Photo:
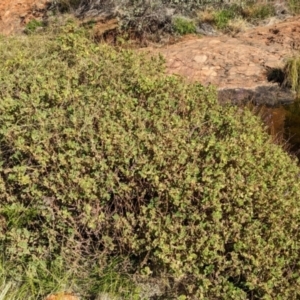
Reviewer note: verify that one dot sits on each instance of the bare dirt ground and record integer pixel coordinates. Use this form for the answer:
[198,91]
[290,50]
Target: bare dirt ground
[15,14]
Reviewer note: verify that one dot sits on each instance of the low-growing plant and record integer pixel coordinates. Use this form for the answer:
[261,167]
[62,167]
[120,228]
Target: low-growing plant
[223,16]
[206,15]
[237,25]
[33,25]
[102,155]
[36,279]
[183,26]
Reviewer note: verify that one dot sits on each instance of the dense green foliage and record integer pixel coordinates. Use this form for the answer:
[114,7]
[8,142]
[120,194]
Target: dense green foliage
[103,155]
[184,26]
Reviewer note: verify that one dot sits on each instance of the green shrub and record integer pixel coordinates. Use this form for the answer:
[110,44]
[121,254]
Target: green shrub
[222,17]
[33,25]
[103,155]
[183,26]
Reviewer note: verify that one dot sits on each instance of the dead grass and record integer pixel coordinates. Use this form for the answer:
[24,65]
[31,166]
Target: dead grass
[237,25]
[207,15]
[292,73]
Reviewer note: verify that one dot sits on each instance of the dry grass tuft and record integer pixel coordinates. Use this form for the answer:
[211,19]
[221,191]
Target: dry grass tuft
[207,15]
[292,73]
[237,25]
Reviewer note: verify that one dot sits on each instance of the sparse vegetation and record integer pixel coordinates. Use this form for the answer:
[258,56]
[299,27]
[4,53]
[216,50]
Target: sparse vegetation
[237,25]
[260,11]
[224,17]
[294,6]
[153,20]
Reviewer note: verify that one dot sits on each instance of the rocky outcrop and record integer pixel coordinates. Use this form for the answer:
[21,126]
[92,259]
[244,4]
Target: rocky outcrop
[269,94]
[238,66]
[15,14]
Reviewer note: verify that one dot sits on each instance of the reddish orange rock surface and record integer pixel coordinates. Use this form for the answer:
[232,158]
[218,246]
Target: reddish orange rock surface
[62,296]
[15,14]
[233,62]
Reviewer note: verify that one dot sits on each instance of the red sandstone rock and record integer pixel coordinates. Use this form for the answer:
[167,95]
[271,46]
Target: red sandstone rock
[15,14]
[237,63]
[62,296]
